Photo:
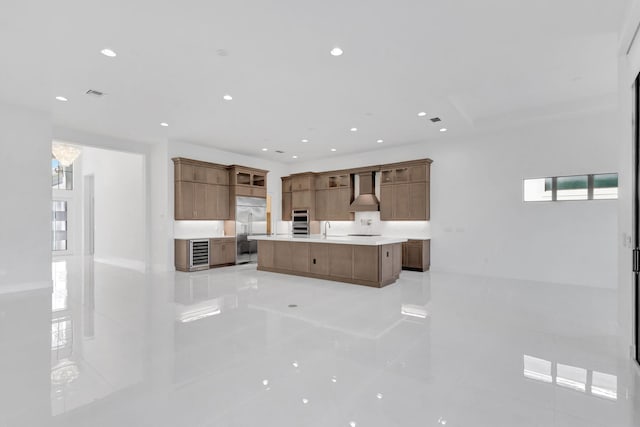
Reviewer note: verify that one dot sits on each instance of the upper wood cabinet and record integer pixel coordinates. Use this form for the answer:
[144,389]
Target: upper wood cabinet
[404,191]
[303,193]
[249,182]
[286,198]
[203,191]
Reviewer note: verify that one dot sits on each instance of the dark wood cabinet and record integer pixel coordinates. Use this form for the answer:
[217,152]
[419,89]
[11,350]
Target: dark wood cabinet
[341,261]
[266,254]
[201,190]
[222,251]
[416,255]
[286,199]
[300,257]
[365,262]
[322,200]
[369,265]
[303,193]
[319,258]
[404,192]
[282,255]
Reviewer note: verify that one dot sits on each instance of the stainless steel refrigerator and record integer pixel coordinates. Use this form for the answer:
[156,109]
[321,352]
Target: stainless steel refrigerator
[251,219]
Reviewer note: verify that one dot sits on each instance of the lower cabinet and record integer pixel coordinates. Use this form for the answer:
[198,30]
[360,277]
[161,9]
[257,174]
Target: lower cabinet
[416,255]
[319,258]
[300,257]
[222,251]
[266,253]
[361,264]
[365,262]
[341,261]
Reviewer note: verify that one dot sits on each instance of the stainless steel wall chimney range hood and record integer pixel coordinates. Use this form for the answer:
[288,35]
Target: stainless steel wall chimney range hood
[366,200]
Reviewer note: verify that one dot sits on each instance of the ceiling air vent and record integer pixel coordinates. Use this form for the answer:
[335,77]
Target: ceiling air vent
[279,151]
[95,93]
[435,119]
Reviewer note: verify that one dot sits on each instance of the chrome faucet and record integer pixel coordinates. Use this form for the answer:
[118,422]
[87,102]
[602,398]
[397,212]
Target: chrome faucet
[327,223]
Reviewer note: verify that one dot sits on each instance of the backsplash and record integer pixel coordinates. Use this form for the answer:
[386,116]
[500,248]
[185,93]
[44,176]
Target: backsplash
[369,223]
[197,229]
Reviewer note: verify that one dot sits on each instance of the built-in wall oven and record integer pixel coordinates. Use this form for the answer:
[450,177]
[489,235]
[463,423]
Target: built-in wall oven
[300,225]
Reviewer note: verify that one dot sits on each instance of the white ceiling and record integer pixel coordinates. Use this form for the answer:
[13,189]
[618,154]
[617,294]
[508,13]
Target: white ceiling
[476,64]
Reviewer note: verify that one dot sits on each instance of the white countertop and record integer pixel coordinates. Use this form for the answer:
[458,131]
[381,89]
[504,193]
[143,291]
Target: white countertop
[341,240]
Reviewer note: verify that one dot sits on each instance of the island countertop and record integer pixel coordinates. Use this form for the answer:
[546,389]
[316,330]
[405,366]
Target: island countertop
[340,240]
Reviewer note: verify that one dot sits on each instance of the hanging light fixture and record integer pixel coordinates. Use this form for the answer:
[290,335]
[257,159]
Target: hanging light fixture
[65,154]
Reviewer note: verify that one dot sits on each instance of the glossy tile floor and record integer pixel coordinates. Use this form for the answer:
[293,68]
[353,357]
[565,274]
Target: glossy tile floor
[224,347]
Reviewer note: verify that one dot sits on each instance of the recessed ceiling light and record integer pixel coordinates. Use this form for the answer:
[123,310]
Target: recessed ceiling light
[443,129]
[305,140]
[108,52]
[294,157]
[227,97]
[380,141]
[61,98]
[422,114]
[336,51]
[265,149]
[353,129]
[305,400]
[333,149]
[163,124]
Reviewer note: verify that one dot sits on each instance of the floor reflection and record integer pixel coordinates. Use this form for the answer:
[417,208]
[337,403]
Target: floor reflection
[583,380]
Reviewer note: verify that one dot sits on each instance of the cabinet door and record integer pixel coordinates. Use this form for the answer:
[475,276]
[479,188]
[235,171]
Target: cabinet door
[286,185]
[401,201]
[344,202]
[266,252]
[414,255]
[215,253]
[299,183]
[341,261]
[397,259]
[418,173]
[405,259]
[286,206]
[301,199]
[200,173]
[386,262]
[418,201]
[229,252]
[365,263]
[333,204]
[319,258]
[282,255]
[386,202]
[184,200]
[211,202]
[300,256]
[321,205]
[222,202]
[186,172]
[200,201]
[217,176]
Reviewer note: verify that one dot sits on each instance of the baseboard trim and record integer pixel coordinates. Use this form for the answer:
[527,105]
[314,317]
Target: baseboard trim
[15,288]
[129,264]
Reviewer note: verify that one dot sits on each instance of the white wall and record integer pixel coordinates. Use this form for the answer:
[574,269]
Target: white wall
[25,213]
[120,206]
[628,69]
[479,224]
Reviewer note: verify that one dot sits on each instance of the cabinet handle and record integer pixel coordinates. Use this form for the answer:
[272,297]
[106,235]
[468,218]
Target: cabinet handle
[314,260]
[387,254]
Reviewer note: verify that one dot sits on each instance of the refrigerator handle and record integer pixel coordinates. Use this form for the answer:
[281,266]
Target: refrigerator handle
[250,223]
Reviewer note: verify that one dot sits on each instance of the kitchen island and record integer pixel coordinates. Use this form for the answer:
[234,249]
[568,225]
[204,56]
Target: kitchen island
[371,261]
